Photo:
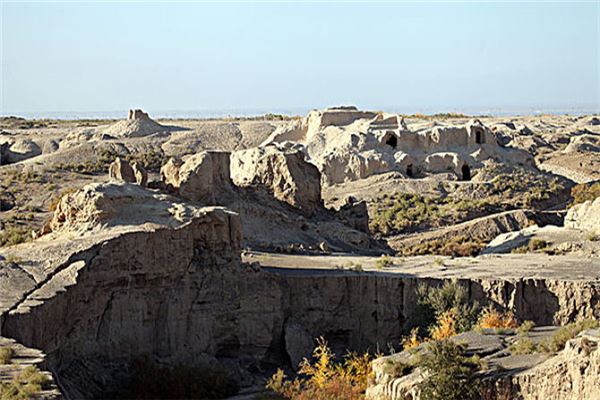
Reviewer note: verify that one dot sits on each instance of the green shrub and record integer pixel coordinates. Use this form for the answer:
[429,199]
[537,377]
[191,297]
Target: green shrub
[458,246]
[449,375]
[565,333]
[25,385]
[584,192]
[523,345]
[534,245]
[14,234]
[525,327]
[537,244]
[6,355]
[405,212]
[384,261]
[434,302]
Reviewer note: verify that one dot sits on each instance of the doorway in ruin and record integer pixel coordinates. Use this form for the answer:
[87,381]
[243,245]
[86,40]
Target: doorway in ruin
[409,170]
[466,173]
[478,137]
[391,140]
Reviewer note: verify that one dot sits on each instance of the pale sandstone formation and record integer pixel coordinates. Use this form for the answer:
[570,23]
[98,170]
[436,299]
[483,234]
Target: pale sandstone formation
[15,150]
[585,216]
[274,219]
[205,178]
[572,374]
[169,173]
[347,144]
[50,146]
[121,170]
[284,173]
[584,143]
[99,207]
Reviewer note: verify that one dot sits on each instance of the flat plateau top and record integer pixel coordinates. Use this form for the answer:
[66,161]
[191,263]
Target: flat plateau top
[504,266]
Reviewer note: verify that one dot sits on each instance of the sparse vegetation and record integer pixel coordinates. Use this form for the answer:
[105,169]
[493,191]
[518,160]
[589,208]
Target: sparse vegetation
[584,192]
[323,378]
[25,385]
[523,345]
[383,262]
[404,212]
[14,234]
[443,311]
[412,340]
[491,318]
[6,355]
[525,327]
[565,333]
[458,246]
[91,167]
[449,375]
[151,160]
[397,213]
[534,245]
[445,326]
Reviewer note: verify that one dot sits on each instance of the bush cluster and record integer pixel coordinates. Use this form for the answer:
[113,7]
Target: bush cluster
[25,385]
[322,378]
[405,212]
[450,375]
[584,192]
[14,234]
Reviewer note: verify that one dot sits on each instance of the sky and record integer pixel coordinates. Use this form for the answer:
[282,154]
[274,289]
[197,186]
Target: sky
[397,56]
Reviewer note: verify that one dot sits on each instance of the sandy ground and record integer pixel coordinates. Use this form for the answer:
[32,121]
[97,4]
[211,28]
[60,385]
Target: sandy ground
[505,266]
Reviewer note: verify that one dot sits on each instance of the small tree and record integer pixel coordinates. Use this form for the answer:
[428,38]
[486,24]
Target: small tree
[449,375]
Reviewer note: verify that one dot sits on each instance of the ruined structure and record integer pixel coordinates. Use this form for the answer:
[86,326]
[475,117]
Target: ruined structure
[137,114]
[137,124]
[348,144]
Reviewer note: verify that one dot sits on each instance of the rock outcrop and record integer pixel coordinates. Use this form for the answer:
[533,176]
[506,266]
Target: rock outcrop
[141,175]
[584,143]
[205,178]
[585,216]
[284,173]
[121,170]
[13,151]
[572,374]
[169,173]
[479,230]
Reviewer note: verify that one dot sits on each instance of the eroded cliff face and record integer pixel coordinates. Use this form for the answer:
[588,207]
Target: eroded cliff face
[180,295]
[167,281]
[369,310]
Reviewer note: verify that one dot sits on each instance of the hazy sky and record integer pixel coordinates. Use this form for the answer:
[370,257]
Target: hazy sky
[104,56]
